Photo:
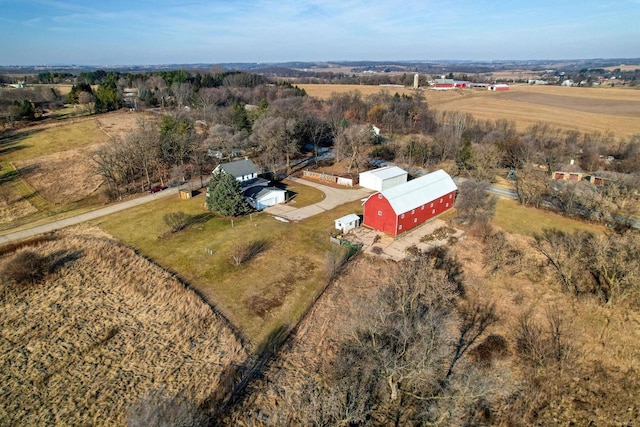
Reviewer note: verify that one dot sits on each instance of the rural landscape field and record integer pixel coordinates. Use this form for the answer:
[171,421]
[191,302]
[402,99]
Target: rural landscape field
[175,299]
[603,109]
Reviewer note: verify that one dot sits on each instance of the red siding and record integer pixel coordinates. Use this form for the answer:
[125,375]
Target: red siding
[378,214]
[394,223]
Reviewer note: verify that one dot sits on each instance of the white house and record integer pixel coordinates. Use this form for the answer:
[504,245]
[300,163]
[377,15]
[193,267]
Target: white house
[244,171]
[263,197]
[347,222]
[383,178]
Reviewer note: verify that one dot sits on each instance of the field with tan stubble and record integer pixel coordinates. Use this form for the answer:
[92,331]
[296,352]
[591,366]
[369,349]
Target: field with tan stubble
[599,109]
[102,329]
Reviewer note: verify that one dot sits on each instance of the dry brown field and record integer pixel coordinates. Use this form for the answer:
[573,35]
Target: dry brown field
[602,109]
[101,330]
[54,161]
[600,386]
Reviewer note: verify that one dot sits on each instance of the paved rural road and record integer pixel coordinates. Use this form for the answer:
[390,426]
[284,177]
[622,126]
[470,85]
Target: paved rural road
[88,216]
[333,197]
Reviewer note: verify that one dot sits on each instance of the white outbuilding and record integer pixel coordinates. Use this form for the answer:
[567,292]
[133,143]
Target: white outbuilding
[263,197]
[347,222]
[383,178]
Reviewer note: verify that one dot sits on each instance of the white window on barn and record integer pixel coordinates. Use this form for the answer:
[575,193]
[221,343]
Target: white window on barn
[413,211]
[422,208]
[433,212]
[399,227]
[415,220]
[447,205]
[379,213]
[440,199]
[402,216]
[379,196]
[431,205]
[451,196]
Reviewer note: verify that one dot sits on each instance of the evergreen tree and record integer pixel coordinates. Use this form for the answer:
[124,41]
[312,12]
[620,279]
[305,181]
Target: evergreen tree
[224,196]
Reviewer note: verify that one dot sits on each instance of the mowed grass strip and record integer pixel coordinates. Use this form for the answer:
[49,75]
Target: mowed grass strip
[526,221]
[261,296]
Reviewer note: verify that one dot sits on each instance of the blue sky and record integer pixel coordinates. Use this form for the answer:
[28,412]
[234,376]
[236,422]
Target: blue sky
[89,32]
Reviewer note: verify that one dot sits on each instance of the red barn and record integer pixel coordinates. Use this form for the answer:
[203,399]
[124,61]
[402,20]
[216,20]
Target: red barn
[405,206]
[444,84]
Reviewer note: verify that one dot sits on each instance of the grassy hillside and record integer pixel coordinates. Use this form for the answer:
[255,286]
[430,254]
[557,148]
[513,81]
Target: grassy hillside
[103,328]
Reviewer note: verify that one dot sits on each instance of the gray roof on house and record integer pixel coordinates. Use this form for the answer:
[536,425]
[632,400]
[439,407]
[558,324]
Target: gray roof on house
[257,192]
[238,168]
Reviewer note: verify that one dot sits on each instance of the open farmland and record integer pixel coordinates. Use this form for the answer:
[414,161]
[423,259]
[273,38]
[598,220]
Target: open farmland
[601,109]
[102,329]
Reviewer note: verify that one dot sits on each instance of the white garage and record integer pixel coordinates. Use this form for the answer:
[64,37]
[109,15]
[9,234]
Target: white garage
[383,178]
[263,197]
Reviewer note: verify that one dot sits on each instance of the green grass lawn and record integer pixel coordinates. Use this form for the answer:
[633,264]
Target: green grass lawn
[527,221]
[303,195]
[261,296]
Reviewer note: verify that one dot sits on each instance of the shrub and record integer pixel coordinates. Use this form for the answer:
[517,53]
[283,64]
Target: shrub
[26,267]
[246,251]
[177,220]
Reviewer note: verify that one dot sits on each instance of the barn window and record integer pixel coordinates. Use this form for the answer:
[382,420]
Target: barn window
[422,207]
[413,211]
[399,227]
[440,199]
[431,205]
[415,220]
[447,205]
[451,196]
[379,196]
[433,212]
[402,216]
[379,213]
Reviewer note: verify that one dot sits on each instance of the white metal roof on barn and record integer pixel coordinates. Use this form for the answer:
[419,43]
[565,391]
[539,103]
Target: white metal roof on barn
[419,191]
[386,172]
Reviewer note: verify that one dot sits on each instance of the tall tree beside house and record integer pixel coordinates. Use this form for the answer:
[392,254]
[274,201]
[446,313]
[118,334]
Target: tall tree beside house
[224,196]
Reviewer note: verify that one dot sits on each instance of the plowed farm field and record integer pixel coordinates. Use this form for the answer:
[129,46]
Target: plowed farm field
[600,109]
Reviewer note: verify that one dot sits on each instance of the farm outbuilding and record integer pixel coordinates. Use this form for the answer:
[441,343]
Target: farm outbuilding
[498,87]
[347,223]
[406,206]
[263,197]
[383,178]
[443,84]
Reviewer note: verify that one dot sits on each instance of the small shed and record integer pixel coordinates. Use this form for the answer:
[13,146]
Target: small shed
[347,222]
[185,194]
[383,178]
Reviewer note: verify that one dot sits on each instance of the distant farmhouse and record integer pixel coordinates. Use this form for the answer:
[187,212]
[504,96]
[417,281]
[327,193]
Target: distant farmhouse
[406,206]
